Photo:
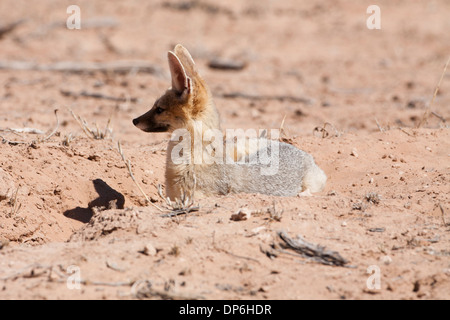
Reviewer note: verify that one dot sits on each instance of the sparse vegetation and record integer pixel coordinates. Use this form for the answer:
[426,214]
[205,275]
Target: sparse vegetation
[93,133]
[15,204]
[174,251]
[68,138]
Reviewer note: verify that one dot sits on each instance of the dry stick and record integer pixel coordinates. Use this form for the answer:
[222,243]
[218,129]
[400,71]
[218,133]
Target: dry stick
[95,95]
[178,207]
[98,283]
[28,272]
[235,255]
[427,111]
[122,67]
[406,132]
[143,289]
[37,270]
[30,131]
[226,64]
[22,130]
[281,98]
[324,131]
[107,284]
[309,250]
[12,143]
[378,125]
[282,132]
[82,124]
[91,134]
[16,206]
[438,116]
[128,164]
[443,214]
[10,27]
[56,128]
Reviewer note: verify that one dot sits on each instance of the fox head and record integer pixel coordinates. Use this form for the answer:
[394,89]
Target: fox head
[188,99]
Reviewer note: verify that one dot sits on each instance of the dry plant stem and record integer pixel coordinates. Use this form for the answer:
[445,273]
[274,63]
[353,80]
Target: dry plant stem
[378,125]
[443,215]
[178,207]
[324,131]
[5,29]
[56,128]
[29,131]
[313,251]
[121,67]
[281,98]
[96,96]
[142,289]
[31,271]
[406,132]
[235,255]
[15,204]
[427,111]
[95,134]
[282,130]
[128,164]
[438,116]
[17,131]
[12,143]
[81,124]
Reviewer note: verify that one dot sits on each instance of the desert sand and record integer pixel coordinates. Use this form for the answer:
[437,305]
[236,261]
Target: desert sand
[358,99]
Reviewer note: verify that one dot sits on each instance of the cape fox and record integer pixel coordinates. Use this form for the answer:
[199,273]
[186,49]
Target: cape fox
[188,107]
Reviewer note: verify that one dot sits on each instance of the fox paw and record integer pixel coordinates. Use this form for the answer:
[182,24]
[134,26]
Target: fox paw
[305,193]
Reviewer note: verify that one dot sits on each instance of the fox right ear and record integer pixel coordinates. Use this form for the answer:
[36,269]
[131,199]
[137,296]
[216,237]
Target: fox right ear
[180,81]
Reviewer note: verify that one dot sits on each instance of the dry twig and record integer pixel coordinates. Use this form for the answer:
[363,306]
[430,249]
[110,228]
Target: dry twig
[16,205]
[312,251]
[10,142]
[23,130]
[324,131]
[120,67]
[5,29]
[94,95]
[56,127]
[178,207]
[443,215]
[428,110]
[281,98]
[143,289]
[92,133]
[128,165]
[226,64]
[378,125]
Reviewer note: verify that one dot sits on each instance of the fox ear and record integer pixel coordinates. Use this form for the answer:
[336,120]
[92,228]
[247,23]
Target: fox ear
[186,59]
[180,81]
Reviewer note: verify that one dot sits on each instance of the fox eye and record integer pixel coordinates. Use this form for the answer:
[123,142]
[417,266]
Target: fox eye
[159,110]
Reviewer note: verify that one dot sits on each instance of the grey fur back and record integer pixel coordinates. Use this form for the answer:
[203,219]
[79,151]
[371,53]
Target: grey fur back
[293,165]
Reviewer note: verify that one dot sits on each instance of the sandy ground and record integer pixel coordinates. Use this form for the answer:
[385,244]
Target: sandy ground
[386,206]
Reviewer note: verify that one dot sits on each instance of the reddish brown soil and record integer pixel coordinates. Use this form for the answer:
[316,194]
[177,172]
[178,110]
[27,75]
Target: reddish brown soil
[372,87]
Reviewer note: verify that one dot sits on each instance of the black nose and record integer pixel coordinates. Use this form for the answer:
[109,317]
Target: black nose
[135,121]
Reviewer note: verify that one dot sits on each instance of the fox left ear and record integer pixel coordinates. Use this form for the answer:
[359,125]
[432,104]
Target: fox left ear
[180,81]
[186,60]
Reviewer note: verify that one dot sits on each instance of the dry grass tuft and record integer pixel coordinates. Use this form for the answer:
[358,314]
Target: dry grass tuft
[428,112]
[15,204]
[91,133]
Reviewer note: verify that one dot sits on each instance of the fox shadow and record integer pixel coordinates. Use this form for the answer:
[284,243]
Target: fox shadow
[106,195]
